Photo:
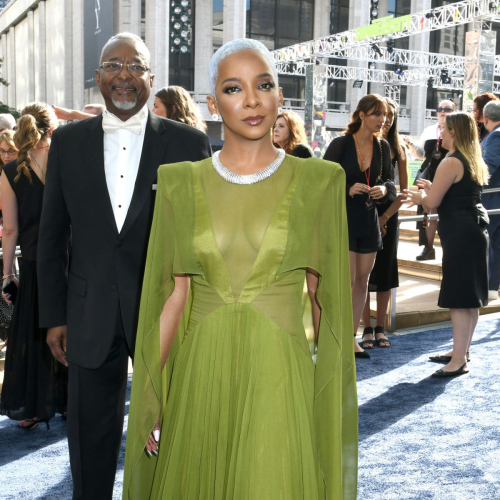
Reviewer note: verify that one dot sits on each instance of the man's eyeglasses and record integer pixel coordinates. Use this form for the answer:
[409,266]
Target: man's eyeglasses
[446,110]
[10,152]
[116,67]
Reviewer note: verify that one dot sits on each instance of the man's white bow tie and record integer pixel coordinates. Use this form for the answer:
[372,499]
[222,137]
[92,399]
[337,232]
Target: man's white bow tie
[111,124]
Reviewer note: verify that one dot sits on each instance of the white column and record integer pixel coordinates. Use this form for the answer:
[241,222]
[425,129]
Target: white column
[321,18]
[234,19]
[417,96]
[127,16]
[41,60]
[30,70]
[158,42]
[11,64]
[203,43]
[359,15]
[77,54]
[4,70]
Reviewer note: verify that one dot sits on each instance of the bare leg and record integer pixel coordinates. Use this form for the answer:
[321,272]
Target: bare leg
[475,316]
[462,323]
[361,267]
[366,312]
[382,303]
[431,232]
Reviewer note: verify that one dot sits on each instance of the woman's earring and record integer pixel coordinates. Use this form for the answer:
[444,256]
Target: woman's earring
[280,110]
[215,117]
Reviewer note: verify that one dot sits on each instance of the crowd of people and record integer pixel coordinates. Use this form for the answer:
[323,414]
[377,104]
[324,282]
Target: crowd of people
[194,265]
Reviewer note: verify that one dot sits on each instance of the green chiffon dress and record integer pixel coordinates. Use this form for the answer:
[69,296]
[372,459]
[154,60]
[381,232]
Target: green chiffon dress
[245,413]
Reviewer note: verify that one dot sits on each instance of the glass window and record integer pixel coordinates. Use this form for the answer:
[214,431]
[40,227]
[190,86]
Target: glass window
[181,66]
[339,16]
[280,23]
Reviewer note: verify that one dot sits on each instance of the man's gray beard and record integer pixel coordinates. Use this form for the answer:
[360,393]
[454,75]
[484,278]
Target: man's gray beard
[124,105]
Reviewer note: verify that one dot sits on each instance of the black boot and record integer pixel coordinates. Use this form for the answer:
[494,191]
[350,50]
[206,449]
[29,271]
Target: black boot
[427,254]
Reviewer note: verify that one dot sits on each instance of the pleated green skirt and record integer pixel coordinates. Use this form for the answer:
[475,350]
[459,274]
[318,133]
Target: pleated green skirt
[239,416]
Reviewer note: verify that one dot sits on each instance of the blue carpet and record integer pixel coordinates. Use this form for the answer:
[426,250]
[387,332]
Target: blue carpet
[420,438]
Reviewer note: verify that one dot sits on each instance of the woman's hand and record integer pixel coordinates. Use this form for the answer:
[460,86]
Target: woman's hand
[154,439]
[377,192]
[358,188]
[383,227]
[6,296]
[414,197]
[424,184]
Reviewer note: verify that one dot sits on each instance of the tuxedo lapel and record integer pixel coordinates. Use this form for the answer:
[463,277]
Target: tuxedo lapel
[94,161]
[153,154]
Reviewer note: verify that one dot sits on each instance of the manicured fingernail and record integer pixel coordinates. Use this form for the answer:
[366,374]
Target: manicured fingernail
[155,452]
[148,452]
[156,434]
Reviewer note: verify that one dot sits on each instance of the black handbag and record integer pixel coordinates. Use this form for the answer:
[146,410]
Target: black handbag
[392,192]
[483,218]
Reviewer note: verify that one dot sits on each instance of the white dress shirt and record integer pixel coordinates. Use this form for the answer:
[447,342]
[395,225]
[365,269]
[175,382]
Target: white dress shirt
[430,132]
[122,154]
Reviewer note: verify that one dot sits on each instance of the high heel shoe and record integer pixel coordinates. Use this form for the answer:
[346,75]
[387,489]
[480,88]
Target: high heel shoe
[32,423]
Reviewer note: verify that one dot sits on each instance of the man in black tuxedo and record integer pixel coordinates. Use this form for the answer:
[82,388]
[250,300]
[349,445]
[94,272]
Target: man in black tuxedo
[100,189]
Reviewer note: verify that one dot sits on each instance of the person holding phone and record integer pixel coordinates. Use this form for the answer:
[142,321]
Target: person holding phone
[35,384]
[430,148]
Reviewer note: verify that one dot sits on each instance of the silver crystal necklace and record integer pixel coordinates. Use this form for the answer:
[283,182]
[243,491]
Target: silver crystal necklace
[233,178]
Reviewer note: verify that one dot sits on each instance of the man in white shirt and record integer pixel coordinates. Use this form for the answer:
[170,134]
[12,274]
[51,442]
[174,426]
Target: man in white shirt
[100,186]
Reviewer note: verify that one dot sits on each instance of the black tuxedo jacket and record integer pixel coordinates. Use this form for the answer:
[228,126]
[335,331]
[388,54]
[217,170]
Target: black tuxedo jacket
[100,284]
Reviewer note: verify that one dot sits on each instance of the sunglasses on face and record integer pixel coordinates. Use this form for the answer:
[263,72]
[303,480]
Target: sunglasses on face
[446,110]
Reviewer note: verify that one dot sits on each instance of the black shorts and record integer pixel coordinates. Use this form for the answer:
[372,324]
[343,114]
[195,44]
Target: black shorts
[365,245]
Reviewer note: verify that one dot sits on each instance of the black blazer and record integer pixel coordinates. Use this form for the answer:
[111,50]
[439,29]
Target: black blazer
[103,281]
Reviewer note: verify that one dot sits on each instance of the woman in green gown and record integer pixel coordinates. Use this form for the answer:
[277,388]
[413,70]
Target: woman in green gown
[226,402]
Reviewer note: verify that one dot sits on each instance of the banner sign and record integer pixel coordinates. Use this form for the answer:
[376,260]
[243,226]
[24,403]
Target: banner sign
[413,167]
[97,30]
[383,27]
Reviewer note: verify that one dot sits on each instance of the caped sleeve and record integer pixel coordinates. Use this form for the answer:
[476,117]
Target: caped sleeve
[167,256]
[319,241]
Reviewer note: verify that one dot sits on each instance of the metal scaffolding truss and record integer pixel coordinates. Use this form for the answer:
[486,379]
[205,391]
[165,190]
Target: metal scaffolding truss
[400,56]
[446,16]
[411,77]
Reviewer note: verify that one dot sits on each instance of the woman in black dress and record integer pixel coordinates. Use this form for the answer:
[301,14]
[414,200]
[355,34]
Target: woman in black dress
[366,160]
[8,152]
[456,193]
[34,387]
[289,134]
[384,276]
[431,149]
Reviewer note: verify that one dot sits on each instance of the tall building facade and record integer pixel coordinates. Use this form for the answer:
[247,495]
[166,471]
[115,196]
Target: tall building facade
[42,46]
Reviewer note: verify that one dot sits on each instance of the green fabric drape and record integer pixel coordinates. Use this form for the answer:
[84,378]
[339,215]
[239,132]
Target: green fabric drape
[245,414]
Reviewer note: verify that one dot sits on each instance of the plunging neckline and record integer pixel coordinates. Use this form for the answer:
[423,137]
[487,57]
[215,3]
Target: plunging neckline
[254,282]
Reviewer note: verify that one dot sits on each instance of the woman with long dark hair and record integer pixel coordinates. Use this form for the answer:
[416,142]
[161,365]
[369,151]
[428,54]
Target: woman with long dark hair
[384,276]
[366,159]
[35,384]
[456,194]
